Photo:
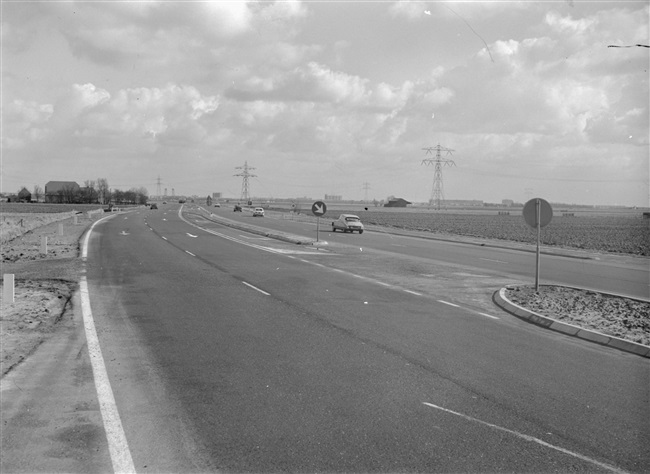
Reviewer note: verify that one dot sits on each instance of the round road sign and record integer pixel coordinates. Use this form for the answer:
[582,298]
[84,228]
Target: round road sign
[530,212]
[319,208]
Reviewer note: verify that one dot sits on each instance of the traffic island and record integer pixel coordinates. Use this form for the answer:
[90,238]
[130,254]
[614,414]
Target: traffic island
[584,306]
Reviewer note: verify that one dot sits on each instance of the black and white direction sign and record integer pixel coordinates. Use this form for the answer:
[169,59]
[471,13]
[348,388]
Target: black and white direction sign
[319,208]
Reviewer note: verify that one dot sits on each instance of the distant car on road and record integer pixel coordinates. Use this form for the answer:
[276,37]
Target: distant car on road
[348,223]
[216,204]
[237,208]
[154,206]
[258,212]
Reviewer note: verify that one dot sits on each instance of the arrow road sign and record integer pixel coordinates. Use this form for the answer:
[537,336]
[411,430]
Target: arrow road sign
[318,208]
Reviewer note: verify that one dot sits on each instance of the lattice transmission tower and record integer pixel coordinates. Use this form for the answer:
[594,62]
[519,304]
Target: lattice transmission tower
[438,193]
[158,191]
[245,174]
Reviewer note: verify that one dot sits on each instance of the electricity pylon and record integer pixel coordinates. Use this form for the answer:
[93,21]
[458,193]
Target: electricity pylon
[366,187]
[245,174]
[158,183]
[437,193]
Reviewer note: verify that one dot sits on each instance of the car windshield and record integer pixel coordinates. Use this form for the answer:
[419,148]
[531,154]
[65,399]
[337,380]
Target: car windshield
[352,219]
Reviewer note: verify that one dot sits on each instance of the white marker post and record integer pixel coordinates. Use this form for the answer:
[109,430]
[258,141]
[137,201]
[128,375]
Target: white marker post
[60,229]
[8,292]
[44,244]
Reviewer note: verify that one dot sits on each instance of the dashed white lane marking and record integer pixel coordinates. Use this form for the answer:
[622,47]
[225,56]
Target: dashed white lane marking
[530,438]
[164,238]
[492,260]
[448,303]
[117,444]
[413,292]
[256,288]
[187,251]
[488,315]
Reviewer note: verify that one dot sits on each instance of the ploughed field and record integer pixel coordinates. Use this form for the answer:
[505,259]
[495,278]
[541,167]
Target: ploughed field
[604,233]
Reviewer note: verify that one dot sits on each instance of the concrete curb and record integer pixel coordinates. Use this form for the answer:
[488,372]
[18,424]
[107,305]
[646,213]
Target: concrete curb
[568,329]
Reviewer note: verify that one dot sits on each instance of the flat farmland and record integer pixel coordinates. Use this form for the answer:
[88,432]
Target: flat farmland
[629,234]
[45,208]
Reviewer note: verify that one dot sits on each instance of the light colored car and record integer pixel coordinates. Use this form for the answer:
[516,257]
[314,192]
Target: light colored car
[216,204]
[258,212]
[348,223]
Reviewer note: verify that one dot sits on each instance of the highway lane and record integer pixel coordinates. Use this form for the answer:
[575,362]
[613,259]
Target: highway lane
[225,355]
[625,275]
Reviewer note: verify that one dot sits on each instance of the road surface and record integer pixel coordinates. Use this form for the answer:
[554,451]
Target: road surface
[236,352]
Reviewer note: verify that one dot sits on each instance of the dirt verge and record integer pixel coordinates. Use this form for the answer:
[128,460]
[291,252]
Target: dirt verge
[44,285]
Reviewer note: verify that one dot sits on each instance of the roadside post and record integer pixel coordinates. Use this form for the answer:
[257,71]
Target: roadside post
[537,214]
[318,209]
[8,285]
[44,244]
[60,229]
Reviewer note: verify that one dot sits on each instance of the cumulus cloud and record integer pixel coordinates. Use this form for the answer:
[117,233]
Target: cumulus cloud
[409,9]
[25,122]
[89,111]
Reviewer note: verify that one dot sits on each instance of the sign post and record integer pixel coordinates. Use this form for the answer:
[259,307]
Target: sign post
[318,209]
[537,214]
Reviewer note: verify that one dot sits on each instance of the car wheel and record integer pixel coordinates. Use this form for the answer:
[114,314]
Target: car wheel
[361,232]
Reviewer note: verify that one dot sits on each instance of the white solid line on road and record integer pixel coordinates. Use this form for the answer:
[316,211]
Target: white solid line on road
[164,238]
[187,251]
[448,303]
[118,447]
[530,438]
[256,288]
[117,444]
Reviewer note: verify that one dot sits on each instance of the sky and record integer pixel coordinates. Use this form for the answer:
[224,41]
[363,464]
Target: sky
[330,98]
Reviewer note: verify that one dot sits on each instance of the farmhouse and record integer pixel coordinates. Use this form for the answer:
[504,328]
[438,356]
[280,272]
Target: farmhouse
[24,195]
[397,202]
[61,191]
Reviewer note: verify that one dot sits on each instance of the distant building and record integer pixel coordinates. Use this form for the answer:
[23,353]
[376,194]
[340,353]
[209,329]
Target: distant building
[397,202]
[333,197]
[24,195]
[61,191]
[507,202]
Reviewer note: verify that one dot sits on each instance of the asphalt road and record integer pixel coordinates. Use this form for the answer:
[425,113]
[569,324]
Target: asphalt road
[236,352]
[619,274]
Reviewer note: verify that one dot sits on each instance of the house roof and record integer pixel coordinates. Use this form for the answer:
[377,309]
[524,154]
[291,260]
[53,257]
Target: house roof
[56,186]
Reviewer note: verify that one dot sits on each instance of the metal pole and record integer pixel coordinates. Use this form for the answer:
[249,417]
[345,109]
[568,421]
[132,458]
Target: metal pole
[539,227]
[317,228]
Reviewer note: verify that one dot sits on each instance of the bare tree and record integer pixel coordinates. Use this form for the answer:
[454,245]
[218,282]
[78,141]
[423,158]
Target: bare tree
[89,192]
[103,191]
[37,193]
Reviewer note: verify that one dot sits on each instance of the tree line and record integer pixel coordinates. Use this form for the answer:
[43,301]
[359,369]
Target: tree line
[92,192]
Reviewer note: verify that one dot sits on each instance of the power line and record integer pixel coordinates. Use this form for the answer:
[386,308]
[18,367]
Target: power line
[437,193]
